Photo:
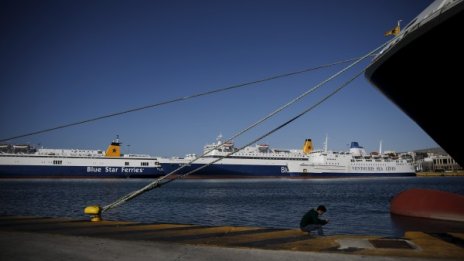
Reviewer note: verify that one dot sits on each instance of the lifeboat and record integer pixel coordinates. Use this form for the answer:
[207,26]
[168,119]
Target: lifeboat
[228,144]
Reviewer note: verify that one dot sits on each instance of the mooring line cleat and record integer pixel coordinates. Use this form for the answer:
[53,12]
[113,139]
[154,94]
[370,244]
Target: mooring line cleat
[94,212]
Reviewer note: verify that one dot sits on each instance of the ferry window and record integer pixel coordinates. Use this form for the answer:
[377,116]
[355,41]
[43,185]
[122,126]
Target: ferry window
[126,163]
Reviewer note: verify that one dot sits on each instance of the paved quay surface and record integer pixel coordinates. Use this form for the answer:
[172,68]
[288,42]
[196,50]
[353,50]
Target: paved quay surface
[43,238]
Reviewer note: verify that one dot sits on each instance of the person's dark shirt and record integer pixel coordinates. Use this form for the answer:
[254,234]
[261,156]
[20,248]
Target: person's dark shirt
[311,217]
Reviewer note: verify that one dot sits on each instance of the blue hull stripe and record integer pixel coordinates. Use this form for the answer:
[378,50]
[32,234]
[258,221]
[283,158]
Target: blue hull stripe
[265,170]
[231,170]
[150,172]
[79,171]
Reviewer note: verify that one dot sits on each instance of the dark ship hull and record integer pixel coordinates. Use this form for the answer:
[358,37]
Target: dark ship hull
[421,73]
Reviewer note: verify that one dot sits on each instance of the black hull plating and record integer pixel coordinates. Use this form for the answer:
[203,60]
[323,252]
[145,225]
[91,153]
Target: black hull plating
[422,75]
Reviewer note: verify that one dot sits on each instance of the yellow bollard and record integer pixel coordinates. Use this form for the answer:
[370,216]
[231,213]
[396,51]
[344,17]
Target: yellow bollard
[94,212]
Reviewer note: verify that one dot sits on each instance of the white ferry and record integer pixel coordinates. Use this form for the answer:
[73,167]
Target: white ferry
[262,161]
[355,162]
[21,161]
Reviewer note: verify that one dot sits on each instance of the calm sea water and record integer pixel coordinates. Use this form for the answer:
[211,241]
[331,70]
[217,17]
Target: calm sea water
[355,206]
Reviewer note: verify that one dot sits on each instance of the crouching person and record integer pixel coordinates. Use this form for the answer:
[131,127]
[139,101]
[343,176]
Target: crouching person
[311,221]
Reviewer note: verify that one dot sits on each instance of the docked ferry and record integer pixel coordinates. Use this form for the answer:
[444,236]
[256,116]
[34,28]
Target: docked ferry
[262,161]
[353,163]
[259,160]
[23,161]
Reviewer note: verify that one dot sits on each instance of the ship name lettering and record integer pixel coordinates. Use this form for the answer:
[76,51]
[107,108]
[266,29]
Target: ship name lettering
[108,169]
[132,170]
[94,169]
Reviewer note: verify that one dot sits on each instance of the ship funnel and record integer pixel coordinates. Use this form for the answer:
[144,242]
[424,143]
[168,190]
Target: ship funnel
[114,149]
[308,146]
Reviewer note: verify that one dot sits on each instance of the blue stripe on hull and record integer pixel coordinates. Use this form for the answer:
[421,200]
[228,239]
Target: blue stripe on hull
[270,171]
[145,172]
[79,171]
[231,170]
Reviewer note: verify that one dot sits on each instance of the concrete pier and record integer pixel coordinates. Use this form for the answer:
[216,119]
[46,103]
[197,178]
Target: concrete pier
[43,238]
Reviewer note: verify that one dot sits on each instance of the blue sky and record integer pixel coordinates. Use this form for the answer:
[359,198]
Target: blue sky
[67,61]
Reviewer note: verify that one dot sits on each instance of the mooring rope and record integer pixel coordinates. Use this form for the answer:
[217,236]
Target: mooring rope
[179,99]
[157,183]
